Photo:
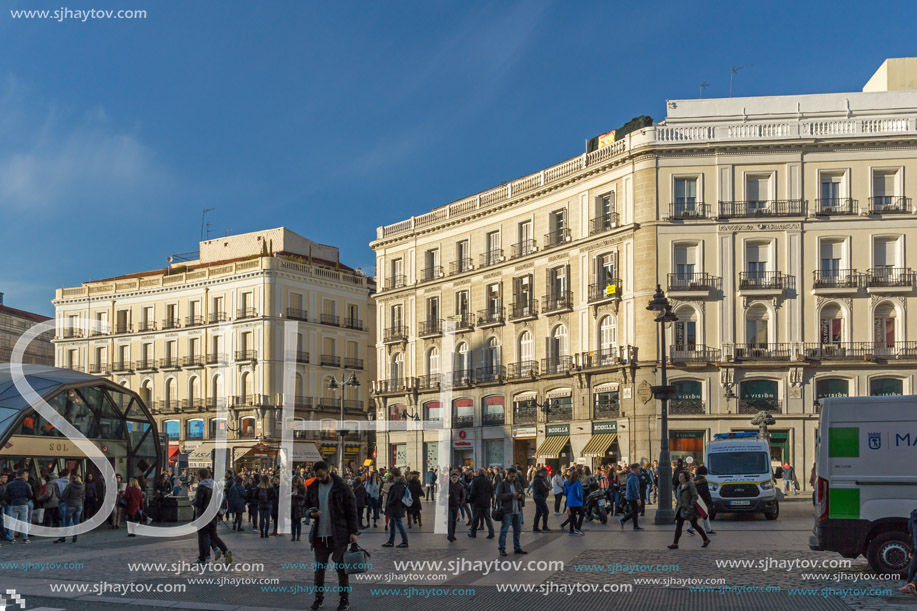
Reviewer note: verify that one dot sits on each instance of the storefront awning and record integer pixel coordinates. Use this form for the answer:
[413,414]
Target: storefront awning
[173,453]
[304,451]
[551,447]
[201,458]
[599,444]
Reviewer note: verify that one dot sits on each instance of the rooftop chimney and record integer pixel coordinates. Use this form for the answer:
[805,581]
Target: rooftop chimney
[895,74]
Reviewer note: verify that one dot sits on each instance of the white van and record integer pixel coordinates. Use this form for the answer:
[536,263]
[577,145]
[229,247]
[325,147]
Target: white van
[866,464]
[739,475]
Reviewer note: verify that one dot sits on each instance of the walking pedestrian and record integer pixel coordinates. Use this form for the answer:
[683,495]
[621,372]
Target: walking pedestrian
[703,491]
[557,483]
[266,497]
[134,496]
[395,508]
[416,494]
[481,498]
[207,535]
[539,496]
[456,500]
[510,495]
[333,511]
[573,491]
[429,479]
[632,497]
[686,508]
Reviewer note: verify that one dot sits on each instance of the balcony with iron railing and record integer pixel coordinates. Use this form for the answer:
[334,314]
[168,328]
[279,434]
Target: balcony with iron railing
[246,355]
[70,333]
[121,328]
[429,274]
[523,248]
[877,279]
[836,206]
[525,415]
[890,204]
[491,374]
[297,314]
[463,321]
[430,381]
[145,364]
[462,378]
[166,405]
[557,412]
[302,402]
[556,238]
[397,333]
[556,302]
[169,362]
[699,283]
[491,257]
[751,407]
[391,385]
[462,422]
[493,419]
[762,208]
[245,313]
[192,362]
[861,351]
[217,358]
[99,369]
[188,405]
[353,405]
[688,210]
[146,326]
[353,323]
[603,223]
[764,352]
[395,281]
[460,266]
[522,369]
[248,433]
[216,317]
[171,323]
[330,360]
[194,321]
[121,366]
[247,401]
[353,363]
[490,317]
[330,319]
[525,310]
[299,356]
[693,353]
[328,403]
[686,407]
[608,356]
[609,290]
[765,281]
[825,280]
[606,409]
[215,402]
[556,364]
[430,328]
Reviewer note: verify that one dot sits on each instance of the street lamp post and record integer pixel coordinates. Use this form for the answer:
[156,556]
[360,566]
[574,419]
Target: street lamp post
[333,384]
[664,512]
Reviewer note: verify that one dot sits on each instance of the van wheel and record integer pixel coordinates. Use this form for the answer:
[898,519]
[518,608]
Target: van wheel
[888,552]
[772,515]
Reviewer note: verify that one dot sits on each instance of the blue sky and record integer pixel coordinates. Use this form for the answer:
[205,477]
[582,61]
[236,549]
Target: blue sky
[332,118]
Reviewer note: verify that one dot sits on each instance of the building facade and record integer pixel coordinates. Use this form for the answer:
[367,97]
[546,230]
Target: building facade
[778,227]
[219,331]
[13,323]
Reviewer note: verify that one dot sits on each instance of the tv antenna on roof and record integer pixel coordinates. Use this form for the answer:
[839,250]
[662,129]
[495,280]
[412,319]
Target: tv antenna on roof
[204,214]
[703,86]
[732,74]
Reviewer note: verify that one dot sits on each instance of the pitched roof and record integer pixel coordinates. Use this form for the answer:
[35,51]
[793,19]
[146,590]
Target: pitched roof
[23,314]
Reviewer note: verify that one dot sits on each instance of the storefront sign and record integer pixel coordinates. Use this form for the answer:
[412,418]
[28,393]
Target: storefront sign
[610,426]
[27,445]
[327,449]
[351,448]
[524,431]
[552,430]
[462,445]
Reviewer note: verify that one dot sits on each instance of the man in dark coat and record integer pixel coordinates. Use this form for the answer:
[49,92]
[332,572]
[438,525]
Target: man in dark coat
[481,498]
[333,511]
[207,535]
[540,492]
[456,500]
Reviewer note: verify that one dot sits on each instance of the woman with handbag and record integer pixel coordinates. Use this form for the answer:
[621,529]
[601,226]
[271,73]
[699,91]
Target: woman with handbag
[686,508]
[134,496]
[703,491]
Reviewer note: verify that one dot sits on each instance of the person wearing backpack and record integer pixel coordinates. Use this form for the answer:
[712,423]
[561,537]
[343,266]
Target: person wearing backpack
[266,497]
[396,500]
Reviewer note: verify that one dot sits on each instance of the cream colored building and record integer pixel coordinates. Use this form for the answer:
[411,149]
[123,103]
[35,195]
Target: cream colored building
[216,331]
[779,227]
[13,323]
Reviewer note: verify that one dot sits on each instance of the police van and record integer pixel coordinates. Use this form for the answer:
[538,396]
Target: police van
[739,475]
[867,479]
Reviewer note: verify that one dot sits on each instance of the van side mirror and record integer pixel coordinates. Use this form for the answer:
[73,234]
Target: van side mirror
[778,473]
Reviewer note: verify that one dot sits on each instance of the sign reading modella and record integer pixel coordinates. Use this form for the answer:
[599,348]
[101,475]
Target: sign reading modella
[609,426]
[552,430]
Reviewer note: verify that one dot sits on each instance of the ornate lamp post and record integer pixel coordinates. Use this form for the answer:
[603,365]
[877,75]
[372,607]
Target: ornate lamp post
[333,384]
[664,512]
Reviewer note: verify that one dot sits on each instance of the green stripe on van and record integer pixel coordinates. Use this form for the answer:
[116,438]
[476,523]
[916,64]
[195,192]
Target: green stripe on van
[844,503]
[844,442]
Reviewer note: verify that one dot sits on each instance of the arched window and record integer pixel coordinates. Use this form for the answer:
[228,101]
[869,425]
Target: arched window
[433,361]
[245,387]
[462,358]
[493,410]
[194,390]
[689,398]
[171,394]
[831,326]
[195,429]
[216,426]
[491,365]
[885,387]
[247,427]
[525,348]
[396,367]
[608,339]
[758,395]
[217,393]
[146,392]
[433,411]
[685,329]
[831,387]
[756,332]
[172,429]
[556,360]
[397,412]
[883,324]
[298,386]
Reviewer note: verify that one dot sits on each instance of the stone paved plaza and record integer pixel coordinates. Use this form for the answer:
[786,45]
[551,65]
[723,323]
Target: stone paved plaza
[588,561]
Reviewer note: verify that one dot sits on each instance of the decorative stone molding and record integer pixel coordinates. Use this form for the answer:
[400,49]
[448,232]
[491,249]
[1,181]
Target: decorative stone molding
[700,306]
[727,380]
[522,266]
[610,242]
[762,227]
[492,275]
[821,300]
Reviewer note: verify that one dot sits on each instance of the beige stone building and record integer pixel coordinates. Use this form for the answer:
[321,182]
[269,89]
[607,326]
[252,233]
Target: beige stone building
[779,228]
[217,330]
[13,323]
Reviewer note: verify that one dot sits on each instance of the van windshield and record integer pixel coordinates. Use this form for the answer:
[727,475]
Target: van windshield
[738,463]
